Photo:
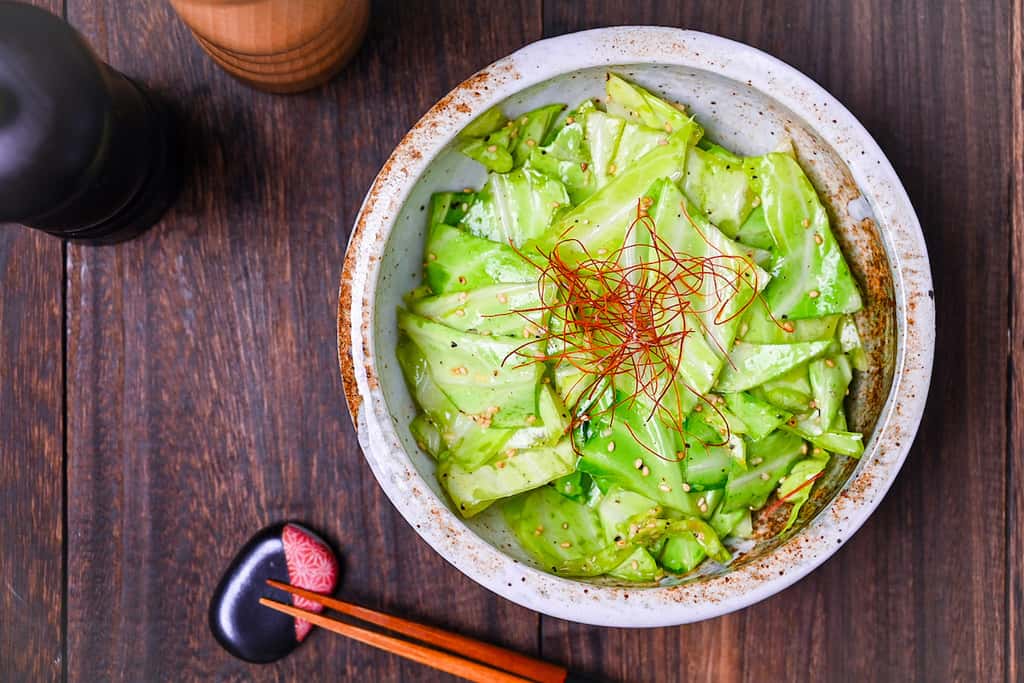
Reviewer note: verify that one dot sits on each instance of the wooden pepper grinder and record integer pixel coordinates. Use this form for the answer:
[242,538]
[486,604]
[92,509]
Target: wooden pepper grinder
[85,153]
[280,46]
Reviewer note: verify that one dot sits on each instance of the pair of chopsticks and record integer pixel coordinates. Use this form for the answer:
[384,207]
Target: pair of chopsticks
[503,666]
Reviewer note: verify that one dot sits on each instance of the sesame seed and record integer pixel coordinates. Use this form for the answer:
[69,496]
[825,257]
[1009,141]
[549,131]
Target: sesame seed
[530,142]
[584,166]
[756,203]
[668,127]
[602,251]
[744,328]
[703,507]
[612,169]
[812,404]
[492,149]
[830,363]
[803,448]
[611,446]
[569,120]
[565,544]
[431,257]
[698,408]
[635,565]
[756,461]
[523,121]
[538,531]
[765,476]
[502,298]
[788,327]
[645,471]
[638,463]
[664,487]
[699,535]
[463,297]
[460,312]
[606,432]
[556,204]
[814,294]
[565,525]
[460,370]
[468,190]
[816,451]
[662,141]
[500,465]
[530,419]
[806,222]
[687,487]
[462,279]
[818,238]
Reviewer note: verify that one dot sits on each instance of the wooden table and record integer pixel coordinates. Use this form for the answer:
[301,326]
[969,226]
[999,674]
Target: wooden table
[163,399]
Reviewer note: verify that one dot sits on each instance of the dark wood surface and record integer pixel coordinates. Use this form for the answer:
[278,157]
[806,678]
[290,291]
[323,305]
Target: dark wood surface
[163,399]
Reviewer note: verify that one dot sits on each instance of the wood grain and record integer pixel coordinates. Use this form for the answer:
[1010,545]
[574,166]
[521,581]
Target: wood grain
[1015,397]
[204,394]
[278,45]
[31,451]
[31,455]
[918,592]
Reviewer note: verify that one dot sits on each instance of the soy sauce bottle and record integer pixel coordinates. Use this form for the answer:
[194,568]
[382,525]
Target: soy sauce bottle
[85,153]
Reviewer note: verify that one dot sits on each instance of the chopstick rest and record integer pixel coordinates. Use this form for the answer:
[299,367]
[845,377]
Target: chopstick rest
[286,552]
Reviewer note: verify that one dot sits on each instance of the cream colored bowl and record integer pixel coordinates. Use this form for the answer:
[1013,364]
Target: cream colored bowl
[747,101]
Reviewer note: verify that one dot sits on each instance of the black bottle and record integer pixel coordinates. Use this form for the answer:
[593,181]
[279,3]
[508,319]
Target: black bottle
[85,153]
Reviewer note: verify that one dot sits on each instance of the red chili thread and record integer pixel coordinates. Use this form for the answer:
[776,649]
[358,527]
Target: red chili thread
[626,315]
[779,501]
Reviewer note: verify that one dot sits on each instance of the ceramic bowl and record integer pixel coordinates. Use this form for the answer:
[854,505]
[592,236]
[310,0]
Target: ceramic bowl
[749,102]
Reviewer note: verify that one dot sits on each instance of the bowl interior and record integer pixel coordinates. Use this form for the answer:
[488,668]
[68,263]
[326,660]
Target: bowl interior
[743,119]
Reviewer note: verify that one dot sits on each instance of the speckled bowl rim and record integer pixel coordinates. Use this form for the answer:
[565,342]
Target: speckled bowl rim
[898,420]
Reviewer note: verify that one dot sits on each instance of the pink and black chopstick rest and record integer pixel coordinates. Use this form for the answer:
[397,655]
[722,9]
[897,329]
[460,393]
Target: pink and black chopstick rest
[287,552]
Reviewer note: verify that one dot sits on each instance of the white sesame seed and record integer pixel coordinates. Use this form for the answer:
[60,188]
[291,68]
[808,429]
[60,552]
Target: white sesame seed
[611,446]
[645,471]
[638,463]
[664,487]
[765,476]
[687,487]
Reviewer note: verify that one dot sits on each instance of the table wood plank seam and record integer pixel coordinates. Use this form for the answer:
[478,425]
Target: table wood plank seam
[1014,539]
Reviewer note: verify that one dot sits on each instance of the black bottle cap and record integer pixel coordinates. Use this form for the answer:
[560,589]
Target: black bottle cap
[54,109]
[85,153]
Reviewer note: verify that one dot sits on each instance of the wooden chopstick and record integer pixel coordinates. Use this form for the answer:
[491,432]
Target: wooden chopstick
[532,669]
[437,659]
